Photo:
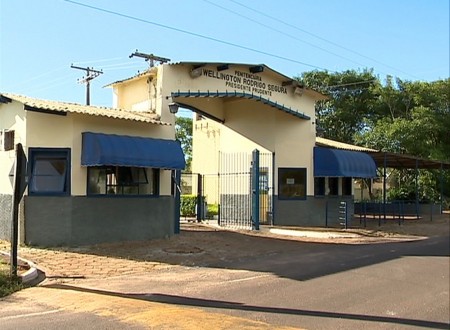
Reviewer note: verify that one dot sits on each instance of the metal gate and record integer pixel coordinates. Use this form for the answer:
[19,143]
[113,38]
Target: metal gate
[245,189]
[239,196]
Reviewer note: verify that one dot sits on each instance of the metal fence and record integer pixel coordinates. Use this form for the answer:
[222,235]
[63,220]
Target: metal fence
[398,210]
[229,194]
[235,190]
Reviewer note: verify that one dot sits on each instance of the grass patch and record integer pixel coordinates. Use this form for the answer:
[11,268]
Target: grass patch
[8,285]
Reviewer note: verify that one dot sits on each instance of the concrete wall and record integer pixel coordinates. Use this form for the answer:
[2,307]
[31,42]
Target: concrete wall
[139,96]
[12,117]
[35,129]
[76,221]
[396,208]
[5,217]
[53,131]
[312,212]
[248,123]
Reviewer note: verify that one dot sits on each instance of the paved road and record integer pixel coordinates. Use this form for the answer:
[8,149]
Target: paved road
[399,285]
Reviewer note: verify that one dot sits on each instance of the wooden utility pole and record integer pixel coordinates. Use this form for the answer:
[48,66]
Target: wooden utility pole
[90,75]
[150,58]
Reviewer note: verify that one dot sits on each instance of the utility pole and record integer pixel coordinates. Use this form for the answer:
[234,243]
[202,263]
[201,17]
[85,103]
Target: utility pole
[90,75]
[150,58]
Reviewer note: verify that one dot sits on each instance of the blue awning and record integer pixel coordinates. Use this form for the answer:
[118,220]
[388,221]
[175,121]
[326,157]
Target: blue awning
[119,150]
[343,163]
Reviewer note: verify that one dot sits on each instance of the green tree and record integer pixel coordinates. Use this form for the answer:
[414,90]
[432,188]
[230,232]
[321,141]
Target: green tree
[415,120]
[183,133]
[349,107]
[408,117]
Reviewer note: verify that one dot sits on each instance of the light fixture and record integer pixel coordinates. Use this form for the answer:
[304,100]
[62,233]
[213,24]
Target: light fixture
[299,90]
[173,107]
[223,67]
[196,72]
[293,83]
[256,69]
[319,130]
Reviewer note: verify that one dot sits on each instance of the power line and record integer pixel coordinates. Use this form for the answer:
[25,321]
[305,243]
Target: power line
[61,81]
[22,82]
[351,84]
[281,32]
[319,37]
[150,58]
[112,59]
[194,34]
[90,75]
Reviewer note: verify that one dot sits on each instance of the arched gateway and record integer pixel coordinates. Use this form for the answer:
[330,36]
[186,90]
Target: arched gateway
[241,108]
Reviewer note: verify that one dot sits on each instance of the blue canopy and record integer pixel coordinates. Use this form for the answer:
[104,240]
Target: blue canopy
[343,163]
[119,150]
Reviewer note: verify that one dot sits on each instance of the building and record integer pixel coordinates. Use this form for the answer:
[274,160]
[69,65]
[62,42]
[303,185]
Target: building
[245,107]
[95,174]
[107,174]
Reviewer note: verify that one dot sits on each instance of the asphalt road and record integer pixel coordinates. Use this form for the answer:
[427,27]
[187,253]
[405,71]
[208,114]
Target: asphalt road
[403,285]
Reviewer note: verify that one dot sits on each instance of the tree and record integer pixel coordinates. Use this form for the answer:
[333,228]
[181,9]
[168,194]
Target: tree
[183,133]
[396,116]
[416,121]
[349,108]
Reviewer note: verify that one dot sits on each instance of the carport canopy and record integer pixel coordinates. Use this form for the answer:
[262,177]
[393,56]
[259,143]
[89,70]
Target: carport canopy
[395,160]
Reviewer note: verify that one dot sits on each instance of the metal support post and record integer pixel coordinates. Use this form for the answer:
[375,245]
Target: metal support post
[176,183]
[384,188]
[200,211]
[255,189]
[417,188]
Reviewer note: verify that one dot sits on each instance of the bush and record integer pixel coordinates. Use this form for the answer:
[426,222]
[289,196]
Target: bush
[400,194]
[188,203]
[213,209]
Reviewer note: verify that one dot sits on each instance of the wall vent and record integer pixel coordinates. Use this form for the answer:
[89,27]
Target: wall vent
[6,140]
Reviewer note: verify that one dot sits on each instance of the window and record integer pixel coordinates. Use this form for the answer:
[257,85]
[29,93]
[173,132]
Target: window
[319,186]
[333,186]
[121,180]
[50,171]
[263,180]
[347,186]
[6,140]
[292,183]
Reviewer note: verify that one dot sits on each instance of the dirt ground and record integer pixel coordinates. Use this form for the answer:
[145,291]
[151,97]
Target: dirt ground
[201,244]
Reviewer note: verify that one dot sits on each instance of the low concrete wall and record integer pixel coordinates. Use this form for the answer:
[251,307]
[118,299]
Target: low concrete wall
[79,220]
[5,217]
[398,208]
[312,212]
[235,207]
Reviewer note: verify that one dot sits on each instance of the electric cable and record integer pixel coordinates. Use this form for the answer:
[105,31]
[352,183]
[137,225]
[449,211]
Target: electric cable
[134,18]
[282,32]
[320,38]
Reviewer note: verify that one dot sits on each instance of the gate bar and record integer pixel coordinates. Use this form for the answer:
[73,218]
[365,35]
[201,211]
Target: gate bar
[255,189]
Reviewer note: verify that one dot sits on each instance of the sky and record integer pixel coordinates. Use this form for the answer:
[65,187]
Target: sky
[39,40]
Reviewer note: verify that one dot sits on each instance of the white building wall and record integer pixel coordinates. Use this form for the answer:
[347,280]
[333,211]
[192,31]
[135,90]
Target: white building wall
[13,119]
[53,131]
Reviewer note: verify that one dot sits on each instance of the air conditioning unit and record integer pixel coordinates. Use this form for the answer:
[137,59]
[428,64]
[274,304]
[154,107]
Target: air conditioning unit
[6,140]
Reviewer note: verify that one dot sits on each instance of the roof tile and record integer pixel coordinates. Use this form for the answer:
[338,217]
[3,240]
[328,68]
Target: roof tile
[68,107]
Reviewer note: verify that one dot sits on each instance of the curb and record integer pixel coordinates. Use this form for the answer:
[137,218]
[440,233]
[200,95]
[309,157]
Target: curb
[30,274]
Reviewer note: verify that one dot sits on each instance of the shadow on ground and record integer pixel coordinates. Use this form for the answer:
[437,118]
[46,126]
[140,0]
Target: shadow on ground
[289,257]
[229,305]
